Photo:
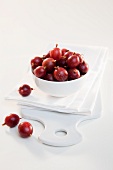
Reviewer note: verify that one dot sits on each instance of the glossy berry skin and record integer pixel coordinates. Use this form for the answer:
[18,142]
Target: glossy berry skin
[35,62]
[61,62]
[73,73]
[40,72]
[83,68]
[25,129]
[56,53]
[25,90]
[73,61]
[12,120]
[68,54]
[49,77]
[81,58]
[60,74]
[46,56]
[49,64]
[63,51]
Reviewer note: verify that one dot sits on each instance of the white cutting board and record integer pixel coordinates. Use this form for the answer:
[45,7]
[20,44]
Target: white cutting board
[55,122]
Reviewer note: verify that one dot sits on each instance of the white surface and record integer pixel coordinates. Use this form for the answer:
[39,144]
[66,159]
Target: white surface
[59,123]
[26,27]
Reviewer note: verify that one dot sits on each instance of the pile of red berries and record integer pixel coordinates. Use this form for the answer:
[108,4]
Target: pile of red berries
[59,65]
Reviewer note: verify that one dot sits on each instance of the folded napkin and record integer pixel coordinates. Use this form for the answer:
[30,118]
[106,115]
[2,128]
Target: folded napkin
[81,102]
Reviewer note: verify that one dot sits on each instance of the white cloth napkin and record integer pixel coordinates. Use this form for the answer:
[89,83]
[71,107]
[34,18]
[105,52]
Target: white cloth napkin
[80,103]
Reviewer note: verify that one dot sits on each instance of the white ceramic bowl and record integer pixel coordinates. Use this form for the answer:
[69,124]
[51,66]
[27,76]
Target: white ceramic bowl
[60,89]
[92,56]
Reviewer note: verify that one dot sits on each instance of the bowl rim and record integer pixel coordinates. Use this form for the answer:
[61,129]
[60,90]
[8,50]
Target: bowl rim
[63,82]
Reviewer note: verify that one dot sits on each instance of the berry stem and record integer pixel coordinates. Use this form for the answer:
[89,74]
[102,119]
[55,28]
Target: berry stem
[56,45]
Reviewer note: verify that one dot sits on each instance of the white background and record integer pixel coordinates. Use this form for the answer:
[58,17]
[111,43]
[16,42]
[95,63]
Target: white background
[26,28]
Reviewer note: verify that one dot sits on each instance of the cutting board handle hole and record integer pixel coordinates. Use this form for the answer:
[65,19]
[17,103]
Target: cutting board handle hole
[61,133]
